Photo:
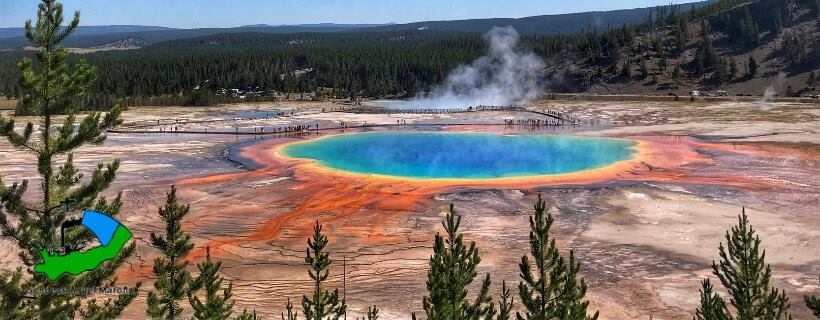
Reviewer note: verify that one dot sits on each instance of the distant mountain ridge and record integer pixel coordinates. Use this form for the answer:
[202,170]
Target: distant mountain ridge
[94,36]
[540,25]
[321,25]
[17,32]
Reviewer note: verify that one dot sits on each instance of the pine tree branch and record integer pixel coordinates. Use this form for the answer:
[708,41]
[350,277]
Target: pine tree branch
[745,275]
[101,179]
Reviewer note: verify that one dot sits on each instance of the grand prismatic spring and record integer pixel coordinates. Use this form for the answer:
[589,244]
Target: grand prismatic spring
[461,155]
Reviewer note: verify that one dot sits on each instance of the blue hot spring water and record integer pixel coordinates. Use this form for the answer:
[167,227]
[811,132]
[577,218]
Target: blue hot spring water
[461,155]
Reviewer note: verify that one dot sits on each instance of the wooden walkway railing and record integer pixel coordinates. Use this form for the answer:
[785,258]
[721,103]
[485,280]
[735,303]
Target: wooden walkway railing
[378,110]
[549,118]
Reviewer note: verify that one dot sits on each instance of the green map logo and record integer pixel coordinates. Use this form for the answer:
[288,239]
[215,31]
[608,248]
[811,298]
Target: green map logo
[111,234]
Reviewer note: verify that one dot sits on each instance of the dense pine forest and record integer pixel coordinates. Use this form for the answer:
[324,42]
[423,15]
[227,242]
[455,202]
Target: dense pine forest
[371,64]
[728,42]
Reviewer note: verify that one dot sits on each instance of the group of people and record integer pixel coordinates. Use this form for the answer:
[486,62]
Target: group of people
[554,113]
[555,119]
[495,108]
[293,128]
[536,122]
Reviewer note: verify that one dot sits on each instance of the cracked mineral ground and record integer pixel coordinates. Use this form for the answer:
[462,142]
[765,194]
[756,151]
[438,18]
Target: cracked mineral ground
[644,231]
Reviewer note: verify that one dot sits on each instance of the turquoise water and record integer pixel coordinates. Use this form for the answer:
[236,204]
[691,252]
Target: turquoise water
[461,155]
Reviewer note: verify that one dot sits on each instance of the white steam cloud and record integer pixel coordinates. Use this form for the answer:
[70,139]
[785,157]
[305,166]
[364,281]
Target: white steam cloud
[505,75]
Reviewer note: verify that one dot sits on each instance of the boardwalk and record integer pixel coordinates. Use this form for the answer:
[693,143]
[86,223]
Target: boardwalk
[545,118]
[378,110]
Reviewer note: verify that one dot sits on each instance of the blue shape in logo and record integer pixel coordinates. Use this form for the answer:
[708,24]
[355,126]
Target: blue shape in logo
[102,225]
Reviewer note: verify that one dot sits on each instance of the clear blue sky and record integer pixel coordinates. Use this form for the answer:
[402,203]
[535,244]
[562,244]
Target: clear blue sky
[232,13]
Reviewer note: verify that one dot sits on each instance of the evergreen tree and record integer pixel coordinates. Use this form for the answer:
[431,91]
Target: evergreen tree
[249,315]
[553,290]
[657,45]
[732,69]
[452,269]
[778,21]
[50,87]
[12,91]
[794,47]
[218,304]
[626,70]
[644,70]
[813,303]
[677,74]
[748,27]
[700,63]
[172,277]
[712,306]
[681,36]
[372,314]
[707,51]
[291,315]
[815,8]
[322,304]
[752,67]
[811,82]
[505,303]
[720,72]
[744,273]
[663,63]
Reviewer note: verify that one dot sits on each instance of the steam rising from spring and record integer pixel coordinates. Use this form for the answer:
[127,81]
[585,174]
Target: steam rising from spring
[505,75]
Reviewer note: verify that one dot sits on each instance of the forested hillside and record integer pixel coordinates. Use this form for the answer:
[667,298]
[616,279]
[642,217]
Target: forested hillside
[742,46]
[746,47]
[372,64]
